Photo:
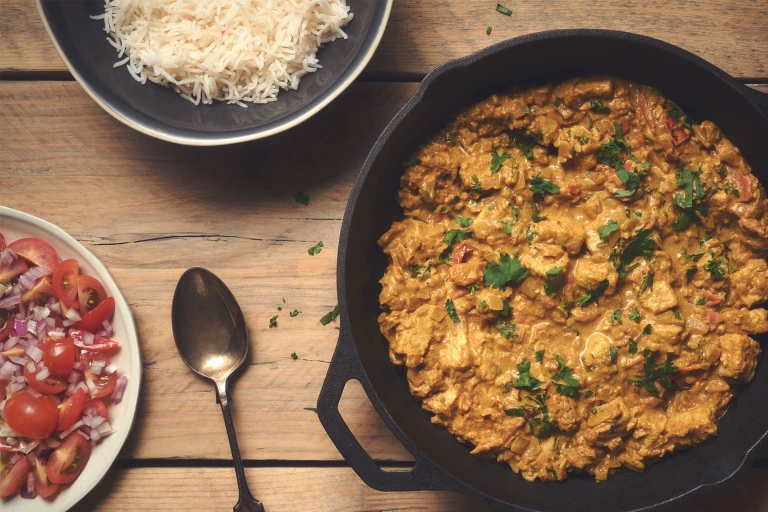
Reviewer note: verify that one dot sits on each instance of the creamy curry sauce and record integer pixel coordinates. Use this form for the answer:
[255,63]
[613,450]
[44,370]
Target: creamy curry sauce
[573,286]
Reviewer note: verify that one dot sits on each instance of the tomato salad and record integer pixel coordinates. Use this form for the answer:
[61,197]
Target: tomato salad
[56,377]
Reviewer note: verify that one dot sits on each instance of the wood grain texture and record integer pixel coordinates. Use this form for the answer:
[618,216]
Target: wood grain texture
[326,489]
[424,33]
[149,210]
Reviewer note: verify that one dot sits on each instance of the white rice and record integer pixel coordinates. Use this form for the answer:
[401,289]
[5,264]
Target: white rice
[228,50]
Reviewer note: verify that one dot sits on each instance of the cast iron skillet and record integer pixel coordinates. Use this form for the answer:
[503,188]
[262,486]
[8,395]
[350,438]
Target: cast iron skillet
[442,463]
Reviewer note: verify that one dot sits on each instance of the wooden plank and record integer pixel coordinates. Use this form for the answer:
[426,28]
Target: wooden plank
[424,33]
[337,489]
[150,210]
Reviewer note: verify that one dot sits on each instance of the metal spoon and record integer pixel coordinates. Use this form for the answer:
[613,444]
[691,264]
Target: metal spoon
[212,339]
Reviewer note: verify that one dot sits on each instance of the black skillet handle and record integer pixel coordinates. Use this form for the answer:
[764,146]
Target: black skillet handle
[760,99]
[346,366]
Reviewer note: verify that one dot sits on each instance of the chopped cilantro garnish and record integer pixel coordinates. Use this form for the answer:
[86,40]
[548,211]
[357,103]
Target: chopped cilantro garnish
[542,186]
[539,355]
[488,30]
[294,356]
[452,311]
[313,409]
[536,217]
[642,245]
[610,227]
[515,411]
[647,329]
[419,272]
[597,106]
[570,385]
[676,113]
[507,226]
[529,235]
[616,317]
[715,268]
[464,222]
[273,322]
[654,373]
[677,315]
[553,276]
[506,328]
[301,197]
[635,316]
[294,313]
[506,309]
[330,316]
[525,141]
[632,347]
[591,296]
[692,202]
[457,235]
[646,283]
[315,249]
[507,270]
[497,160]
[503,10]
[412,161]
[524,380]
[613,353]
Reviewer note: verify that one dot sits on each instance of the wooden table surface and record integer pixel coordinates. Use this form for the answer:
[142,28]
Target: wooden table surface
[150,210]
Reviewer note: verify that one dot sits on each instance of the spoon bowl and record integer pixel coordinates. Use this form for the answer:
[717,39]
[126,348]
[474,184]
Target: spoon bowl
[212,339]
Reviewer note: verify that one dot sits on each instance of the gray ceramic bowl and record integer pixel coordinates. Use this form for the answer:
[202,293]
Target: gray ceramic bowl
[162,113]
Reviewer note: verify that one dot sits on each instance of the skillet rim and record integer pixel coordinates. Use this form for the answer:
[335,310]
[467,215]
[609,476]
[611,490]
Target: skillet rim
[347,348]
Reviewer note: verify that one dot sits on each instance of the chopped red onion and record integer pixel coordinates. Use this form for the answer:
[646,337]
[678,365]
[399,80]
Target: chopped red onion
[84,387]
[7,257]
[12,441]
[86,436]
[71,429]
[91,387]
[117,394]
[15,387]
[112,368]
[56,334]
[96,370]
[7,370]
[27,446]
[28,491]
[20,327]
[79,366]
[95,434]
[2,405]
[10,342]
[73,315]
[75,377]
[9,302]
[105,429]
[108,328]
[55,307]
[25,282]
[67,323]
[18,359]
[41,312]
[87,338]
[44,453]
[35,353]
[15,458]
[52,443]
[35,393]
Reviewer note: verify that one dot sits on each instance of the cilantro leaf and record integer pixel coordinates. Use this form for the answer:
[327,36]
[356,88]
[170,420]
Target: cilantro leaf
[301,197]
[597,106]
[553,276]
[315,249]
[590,296]
[542,186]
[503,10]
[464,222]
[642,245]
[610,227]
[497,160]
[656,373]
[294,356]
[515,411]
[632,347]
[330,316]
[457,235]
[539,355]
[413,161]
[616,317]
[714,267]
[613,353]
[676,113]
[525,141]
[273,322]
[570,385]
[635,316]
[452,311]
[294,313]
[507,270]
[524,380]
[506,328]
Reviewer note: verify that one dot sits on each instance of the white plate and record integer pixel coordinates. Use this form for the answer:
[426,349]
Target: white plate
[14,225]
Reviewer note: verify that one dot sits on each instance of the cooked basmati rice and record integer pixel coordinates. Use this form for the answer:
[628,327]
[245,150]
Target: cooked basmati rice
[228,50]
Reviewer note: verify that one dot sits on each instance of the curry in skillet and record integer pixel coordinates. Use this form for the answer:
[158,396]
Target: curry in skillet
[573,286]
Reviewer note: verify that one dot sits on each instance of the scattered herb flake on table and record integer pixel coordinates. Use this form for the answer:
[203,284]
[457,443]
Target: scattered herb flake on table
[301,197]
[315,249]
[330,316]
[273,322]
[503,10]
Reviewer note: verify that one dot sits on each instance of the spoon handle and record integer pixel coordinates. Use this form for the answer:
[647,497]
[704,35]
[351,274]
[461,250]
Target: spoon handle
[246,502]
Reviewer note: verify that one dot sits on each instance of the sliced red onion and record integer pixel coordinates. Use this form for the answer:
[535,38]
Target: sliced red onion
[84,387]
[96,370]
[112,368]
[73,315]
[27,446]
[35,353]
[86,436]
[108,328]
[9,302]
[105,429]
[20,327]
[75,377]
[117,394]
[15,387]
[10,342]
[71,429]
[25,282]
[42,312]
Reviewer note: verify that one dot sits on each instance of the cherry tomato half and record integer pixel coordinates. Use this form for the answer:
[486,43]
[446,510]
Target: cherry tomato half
[13,477]
[69,459]
[98,406]
[94,321]
[17,268]
[99,344]
[47,386]
[104,383]
[36,251]
[31,416]
[65,282]
[6,324]
[90,293]
[58,356]
[71,410]
[43,486]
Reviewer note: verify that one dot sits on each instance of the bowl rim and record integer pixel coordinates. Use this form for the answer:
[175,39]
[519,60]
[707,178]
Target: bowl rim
[336,89]
[105,457]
